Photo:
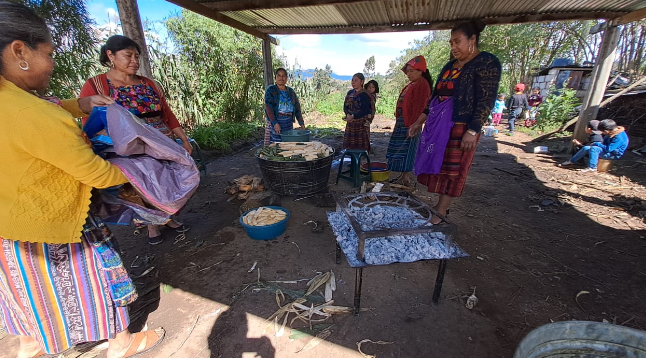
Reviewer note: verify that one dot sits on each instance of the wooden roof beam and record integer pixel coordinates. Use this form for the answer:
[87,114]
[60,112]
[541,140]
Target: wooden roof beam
[630,17]
[214,15]
[240,5]
[444,25]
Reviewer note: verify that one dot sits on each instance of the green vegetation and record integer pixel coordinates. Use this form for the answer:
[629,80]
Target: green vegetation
[558,108]
[219,136]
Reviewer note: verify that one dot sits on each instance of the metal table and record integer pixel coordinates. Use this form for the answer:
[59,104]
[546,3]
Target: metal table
[352,204]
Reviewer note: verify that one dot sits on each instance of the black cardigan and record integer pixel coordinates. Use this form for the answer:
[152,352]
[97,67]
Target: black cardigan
[475,90]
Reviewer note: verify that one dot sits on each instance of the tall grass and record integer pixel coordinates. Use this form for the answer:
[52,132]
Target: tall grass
[219,136]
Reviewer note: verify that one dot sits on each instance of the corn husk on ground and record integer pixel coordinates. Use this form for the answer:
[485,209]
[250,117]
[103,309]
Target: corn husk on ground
[302,311]
[264,216]
[295,151]
[244,186]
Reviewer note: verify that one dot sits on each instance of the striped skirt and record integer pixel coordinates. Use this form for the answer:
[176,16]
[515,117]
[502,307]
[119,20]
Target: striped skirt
[401,149]
[357,135]
[455,166]
[62,294]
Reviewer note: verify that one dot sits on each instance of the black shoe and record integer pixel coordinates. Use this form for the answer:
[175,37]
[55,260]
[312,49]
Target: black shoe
[156,240]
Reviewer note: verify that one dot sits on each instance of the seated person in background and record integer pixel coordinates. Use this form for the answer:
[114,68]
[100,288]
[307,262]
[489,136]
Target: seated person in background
[594,135]
[615,142]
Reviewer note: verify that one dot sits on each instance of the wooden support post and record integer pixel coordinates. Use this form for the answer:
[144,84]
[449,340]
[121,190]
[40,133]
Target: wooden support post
[600,76]
[267,61]
[131,25]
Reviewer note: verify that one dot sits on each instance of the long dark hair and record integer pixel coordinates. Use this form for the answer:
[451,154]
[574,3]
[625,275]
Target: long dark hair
[20,23]
[470,28]
[427,77]
[116,43]
[373,82]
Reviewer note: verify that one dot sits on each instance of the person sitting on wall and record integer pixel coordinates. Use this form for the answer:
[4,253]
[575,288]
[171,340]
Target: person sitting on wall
[615,142]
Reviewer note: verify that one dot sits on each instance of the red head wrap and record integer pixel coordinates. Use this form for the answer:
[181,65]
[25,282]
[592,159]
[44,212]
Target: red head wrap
[417,62]
[519,87]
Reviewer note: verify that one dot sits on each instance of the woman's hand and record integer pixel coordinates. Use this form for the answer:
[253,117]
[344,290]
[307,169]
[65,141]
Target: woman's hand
[349,117]
[277,128]
[414,129]
[87,103]
[469,142]
[187,146]
[302,127]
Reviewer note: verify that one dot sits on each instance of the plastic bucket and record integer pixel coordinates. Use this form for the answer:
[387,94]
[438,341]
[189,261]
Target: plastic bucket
[266,232]
[378,171]
[582,339]
[604,165]
[296,178]
[295,135]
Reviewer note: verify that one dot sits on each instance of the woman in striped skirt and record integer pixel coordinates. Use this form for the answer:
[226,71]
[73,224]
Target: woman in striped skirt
[462,100]
[358,110]
[62,281]
[410,105]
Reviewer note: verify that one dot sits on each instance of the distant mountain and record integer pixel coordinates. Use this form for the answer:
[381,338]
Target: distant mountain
[310,72]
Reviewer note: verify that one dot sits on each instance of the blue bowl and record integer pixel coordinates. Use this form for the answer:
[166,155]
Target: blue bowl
[266,232]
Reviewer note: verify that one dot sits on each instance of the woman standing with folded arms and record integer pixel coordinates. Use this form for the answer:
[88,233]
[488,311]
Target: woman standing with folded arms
[62,281]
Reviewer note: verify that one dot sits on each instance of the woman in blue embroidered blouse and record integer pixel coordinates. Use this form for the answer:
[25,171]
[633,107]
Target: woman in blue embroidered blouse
[282,108]
[358,111]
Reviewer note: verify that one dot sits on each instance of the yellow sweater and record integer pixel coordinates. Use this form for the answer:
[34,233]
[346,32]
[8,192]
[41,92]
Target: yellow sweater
[47,169]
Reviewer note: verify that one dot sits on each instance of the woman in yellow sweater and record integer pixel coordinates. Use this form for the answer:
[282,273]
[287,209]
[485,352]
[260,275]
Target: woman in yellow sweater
[62,281]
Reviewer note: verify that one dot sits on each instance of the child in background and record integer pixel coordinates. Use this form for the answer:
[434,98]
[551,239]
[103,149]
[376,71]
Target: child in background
[372,87]
[498,108]
[594,135]
[535,100]
[517,103]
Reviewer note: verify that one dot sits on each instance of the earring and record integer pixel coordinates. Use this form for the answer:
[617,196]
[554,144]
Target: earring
[471,49]
[111,64]
[24,67]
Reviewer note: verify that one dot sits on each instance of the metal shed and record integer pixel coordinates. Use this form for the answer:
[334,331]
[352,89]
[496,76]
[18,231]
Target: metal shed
[261,18]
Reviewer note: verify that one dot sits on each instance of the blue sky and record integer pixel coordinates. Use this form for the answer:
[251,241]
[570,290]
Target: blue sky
[345,53]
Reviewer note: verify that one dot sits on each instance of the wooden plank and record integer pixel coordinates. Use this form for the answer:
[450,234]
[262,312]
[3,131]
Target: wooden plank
[630,17]
[214,15]
[438,25]
[240,5]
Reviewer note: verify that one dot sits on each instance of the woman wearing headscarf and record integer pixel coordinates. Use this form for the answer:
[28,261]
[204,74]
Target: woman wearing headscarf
[463,97]
[410,105]
[282,108]
[358,110]
[62,281]
[141,96]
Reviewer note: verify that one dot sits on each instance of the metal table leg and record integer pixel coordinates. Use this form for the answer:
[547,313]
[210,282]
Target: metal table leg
[338,253]
[441,269]
[357,290]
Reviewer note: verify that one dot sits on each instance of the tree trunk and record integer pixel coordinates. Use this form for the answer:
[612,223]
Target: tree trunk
[131,24]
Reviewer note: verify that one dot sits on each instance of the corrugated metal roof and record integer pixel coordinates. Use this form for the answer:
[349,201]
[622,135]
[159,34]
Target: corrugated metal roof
[338,16]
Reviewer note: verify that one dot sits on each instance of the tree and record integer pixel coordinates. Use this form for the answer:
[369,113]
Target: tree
[369,67]
[75,43]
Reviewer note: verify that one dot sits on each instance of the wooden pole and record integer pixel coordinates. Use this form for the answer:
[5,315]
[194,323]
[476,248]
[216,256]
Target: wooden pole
[131,25]
[600,76]
[267,61]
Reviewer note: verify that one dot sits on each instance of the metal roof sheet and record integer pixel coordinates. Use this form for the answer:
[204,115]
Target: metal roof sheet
[339,16]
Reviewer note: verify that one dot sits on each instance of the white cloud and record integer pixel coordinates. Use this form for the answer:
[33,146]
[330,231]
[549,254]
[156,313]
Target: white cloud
[305,40]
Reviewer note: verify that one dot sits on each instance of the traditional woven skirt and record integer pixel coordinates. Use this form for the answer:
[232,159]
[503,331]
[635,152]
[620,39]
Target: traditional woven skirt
[455,166]
[62,294]
[401,149]
[357,135]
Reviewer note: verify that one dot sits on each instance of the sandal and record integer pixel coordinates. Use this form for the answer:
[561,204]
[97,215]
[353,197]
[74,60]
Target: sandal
[133,348]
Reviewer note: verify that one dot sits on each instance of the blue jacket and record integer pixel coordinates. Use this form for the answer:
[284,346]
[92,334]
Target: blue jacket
[614,144]
[272,97]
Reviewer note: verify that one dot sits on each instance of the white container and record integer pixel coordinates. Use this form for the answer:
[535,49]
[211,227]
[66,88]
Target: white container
[541,150]
[490,131]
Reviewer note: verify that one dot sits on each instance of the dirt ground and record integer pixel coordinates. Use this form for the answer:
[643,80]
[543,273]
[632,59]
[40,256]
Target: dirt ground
[546,244]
